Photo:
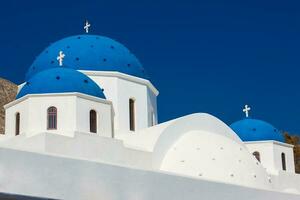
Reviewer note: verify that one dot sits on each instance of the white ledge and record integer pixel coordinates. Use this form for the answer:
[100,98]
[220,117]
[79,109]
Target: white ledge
[270,141]
[122,76]
[77,94]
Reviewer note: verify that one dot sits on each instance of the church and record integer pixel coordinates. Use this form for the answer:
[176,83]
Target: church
[84,125]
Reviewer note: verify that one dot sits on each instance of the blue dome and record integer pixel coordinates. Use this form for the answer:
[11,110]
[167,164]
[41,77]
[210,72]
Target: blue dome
[60,80]
[88,52]
[256,130]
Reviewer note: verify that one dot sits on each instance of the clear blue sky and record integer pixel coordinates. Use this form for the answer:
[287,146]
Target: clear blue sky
[204,56]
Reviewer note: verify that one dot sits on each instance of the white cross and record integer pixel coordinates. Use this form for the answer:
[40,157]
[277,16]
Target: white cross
[87,26]
[246,110]
[60,58]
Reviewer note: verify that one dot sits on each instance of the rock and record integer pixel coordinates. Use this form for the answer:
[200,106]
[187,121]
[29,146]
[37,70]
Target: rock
[8,91]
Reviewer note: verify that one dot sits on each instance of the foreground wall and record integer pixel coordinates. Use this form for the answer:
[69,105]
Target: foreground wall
[62,178]
[100,149]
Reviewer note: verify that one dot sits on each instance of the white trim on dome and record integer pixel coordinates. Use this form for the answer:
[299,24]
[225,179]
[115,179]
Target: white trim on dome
[123,76]
[85,96]
[271,141]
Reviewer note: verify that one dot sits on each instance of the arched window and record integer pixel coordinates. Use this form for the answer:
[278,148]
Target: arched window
[93,121]
[131,115]
[256,155]
[17,128]
[283,161]
[52,118]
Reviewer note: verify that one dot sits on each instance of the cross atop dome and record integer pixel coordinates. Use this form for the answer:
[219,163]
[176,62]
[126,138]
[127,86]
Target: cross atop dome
[60,58]
[87,26]
[246,110]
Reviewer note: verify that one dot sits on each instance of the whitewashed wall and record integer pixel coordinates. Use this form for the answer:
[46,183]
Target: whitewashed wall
[104,116]
[119,88]
[82,146]
[72,114]
[152,107]
[10,119]
[289,156]
[270,155]
[62,178]
[287,182]
[214,157]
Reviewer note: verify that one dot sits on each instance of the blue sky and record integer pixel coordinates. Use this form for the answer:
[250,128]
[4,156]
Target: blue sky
[204,56]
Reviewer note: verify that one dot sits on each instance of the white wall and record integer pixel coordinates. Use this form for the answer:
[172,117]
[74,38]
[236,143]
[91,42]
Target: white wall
[119,88]
[210,156]
[66,114]
[220,154]
[270,155]
[286,182]
[200,146]
[152,106]
[72,114]
[138,92]
[62,178]
[104,116]
[289,157]
[82,146]
[10,119]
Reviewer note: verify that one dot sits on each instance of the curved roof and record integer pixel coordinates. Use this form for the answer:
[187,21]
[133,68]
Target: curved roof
[89,52]
[200,146]
[256,130]
[60,80]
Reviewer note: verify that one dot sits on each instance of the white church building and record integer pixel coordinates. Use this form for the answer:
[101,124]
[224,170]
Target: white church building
[84,126]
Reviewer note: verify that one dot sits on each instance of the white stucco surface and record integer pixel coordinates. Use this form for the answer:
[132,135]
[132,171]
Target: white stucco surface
[189,157]
[270,155]
[209,156]
[198,147]
[63,178]
[100,149]
[119,88]
[72,114]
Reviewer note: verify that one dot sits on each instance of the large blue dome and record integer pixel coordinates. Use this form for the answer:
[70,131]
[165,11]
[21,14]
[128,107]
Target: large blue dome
[88,52]
[60,80]
[256,130]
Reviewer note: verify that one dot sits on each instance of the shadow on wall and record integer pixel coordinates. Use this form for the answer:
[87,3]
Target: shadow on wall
[21,197]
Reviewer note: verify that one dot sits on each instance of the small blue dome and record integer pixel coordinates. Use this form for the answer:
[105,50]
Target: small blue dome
[60,80]
[256,130]
[88,52]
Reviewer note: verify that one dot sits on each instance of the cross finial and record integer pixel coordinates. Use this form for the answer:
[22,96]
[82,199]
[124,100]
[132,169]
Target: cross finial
[246,110]
[87,26]
[60,58]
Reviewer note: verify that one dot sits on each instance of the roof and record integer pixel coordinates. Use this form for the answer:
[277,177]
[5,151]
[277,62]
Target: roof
[60,80]
[88,52]
[250,129]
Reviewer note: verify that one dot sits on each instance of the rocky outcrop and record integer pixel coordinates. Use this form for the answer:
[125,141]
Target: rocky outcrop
[8,91]
[294,140]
